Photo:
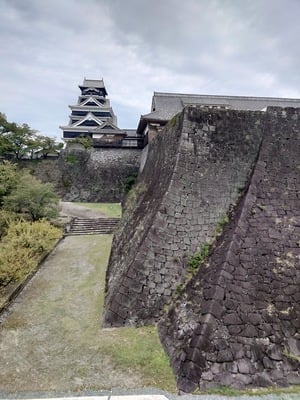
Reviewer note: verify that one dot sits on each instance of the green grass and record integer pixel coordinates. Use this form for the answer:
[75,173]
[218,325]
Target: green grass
[69,319]
[139,350]
[132,350]
[109,209]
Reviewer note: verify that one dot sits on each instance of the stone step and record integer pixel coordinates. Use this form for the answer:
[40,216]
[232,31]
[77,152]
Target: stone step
[88,226]
[96,220]
[95,223]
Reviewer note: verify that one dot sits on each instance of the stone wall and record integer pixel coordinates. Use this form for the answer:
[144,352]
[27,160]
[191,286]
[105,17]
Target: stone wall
[238,321]
[195,171]
[127,286]
[89,175]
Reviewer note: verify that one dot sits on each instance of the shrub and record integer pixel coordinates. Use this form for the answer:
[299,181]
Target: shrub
[196,259]
[6,218]
[134,196]
[85,141]
[71,158]
[130,182]
[221,224]
[23,247]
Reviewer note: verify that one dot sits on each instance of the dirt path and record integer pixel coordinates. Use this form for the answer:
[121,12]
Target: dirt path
[51,338]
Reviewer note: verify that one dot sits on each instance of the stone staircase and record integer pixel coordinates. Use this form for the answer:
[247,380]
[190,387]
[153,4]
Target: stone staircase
[92,226]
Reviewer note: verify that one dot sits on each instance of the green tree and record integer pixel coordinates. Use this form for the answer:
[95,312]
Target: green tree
[42,144]
[85,141]
[20,138]
[32,198]
[9,179]
[4,124]
[5,145]
[14,138]
[48,145]
[32,145]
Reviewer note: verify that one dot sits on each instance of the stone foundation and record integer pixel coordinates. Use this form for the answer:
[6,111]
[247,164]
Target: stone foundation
[95,175]
[234,320]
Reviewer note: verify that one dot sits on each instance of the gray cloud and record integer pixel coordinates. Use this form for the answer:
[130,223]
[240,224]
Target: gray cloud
[217,46]
[219,39]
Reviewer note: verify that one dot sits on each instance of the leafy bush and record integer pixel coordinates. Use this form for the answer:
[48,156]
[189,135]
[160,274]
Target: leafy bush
[221,223]
[23,247]
[72,158]
[23,244]
[129,182]
[85,141]
[6,218]
[32,198]
[196,259]
[135,195]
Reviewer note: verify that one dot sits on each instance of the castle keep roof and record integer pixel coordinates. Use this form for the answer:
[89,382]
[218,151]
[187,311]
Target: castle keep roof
[93,83]
[93,117]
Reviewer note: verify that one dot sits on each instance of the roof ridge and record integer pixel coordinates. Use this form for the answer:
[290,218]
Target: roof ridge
[218,96]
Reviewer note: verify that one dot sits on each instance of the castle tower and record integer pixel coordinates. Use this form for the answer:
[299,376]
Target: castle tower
[93,117]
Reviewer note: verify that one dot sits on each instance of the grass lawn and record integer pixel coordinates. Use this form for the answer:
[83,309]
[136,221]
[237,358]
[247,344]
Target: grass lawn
[131,350]
[109,209]
[57,325]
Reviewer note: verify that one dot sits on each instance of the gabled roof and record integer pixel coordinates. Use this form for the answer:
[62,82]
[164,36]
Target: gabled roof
[130,132]
[175,101]
[166,105]
[88,117]
[93,83]
[93,100]
[96,83]
[109,128]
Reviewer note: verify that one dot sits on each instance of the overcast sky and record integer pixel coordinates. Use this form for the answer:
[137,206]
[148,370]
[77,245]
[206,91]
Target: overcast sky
[233,47]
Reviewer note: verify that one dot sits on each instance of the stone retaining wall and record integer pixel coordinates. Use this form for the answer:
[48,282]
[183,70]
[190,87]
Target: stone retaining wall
[195,171]
[237,322]
[96,175]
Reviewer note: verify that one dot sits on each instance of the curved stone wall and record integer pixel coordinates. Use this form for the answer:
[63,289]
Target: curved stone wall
[136,246]
[237,322]
[194,173]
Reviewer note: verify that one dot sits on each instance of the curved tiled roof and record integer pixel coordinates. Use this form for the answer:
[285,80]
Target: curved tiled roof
[96,83]
[166,105]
